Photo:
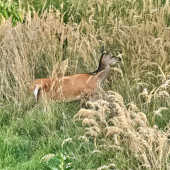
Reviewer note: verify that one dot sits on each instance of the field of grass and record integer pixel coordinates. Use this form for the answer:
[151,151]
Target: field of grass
[129,127]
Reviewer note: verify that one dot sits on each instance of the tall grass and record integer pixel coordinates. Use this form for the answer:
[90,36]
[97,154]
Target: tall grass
[114,127]
[46,45]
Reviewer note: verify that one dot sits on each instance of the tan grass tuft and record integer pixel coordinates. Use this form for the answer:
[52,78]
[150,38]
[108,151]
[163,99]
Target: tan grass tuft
[47,157]
[126,126]
[158,112]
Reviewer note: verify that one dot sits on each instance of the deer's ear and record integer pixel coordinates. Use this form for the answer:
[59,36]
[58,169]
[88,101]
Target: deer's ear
[102,49]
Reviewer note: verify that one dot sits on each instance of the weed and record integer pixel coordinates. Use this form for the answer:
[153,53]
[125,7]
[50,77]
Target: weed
[58,161]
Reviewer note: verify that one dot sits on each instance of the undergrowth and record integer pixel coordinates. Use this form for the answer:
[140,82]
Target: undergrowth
[66,39]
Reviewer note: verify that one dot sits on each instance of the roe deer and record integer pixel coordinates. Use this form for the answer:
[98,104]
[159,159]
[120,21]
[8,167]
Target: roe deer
[74,87]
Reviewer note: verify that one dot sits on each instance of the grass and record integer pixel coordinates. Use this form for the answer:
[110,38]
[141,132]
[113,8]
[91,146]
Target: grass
[51,44]
[29,134]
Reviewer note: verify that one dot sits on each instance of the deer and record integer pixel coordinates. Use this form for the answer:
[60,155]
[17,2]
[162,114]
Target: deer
[74,87]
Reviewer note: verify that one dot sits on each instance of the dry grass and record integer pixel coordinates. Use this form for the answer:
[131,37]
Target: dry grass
[138,35]
[35,49]
[137,31]
[115,127]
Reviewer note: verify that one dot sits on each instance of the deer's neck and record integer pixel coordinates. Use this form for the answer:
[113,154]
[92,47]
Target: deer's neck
[102,71]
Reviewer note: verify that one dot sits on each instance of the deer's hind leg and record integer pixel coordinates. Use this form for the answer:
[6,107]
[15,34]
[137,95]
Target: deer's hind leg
[86,96]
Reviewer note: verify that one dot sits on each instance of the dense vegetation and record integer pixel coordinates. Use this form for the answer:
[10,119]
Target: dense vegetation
[128,128]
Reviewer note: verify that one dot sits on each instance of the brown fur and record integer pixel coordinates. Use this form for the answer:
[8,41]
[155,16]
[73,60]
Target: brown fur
[68,88]
[73,87]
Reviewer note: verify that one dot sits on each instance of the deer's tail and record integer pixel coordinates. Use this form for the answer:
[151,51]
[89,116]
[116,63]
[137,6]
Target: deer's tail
[36,91]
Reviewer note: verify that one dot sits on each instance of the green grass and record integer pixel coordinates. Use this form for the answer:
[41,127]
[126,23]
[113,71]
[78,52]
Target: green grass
[45,4]
[28,132]
[27,135]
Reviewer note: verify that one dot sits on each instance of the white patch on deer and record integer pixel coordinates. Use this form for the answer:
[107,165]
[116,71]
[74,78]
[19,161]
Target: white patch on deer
[35,91]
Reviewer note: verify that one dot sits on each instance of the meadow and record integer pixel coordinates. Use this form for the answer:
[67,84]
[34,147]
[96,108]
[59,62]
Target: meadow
[128,127]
